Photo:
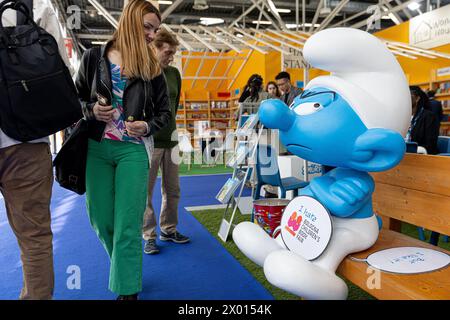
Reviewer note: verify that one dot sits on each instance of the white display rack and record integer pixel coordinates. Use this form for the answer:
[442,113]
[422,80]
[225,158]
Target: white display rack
[242,161]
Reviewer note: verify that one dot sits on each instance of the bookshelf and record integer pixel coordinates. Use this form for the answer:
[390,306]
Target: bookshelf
[220,112]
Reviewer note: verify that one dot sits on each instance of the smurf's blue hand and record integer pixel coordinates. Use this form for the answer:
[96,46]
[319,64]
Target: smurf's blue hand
[343,196]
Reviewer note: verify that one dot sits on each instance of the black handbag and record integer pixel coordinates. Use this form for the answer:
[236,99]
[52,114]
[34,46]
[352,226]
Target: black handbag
[70,162]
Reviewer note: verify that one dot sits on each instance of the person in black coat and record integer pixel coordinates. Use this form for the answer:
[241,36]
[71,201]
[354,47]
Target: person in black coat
[424,128]
[435,105]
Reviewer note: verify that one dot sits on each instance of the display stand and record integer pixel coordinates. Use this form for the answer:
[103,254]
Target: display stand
[242,161]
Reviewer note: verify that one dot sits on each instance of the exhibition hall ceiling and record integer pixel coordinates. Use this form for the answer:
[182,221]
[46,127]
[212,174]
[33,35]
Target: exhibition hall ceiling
[246,14]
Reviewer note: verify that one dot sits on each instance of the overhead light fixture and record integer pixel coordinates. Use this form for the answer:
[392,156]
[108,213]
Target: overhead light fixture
[239,35]
[293,25]
[326,10]
[98,42]
[200,5]
[284,10]
[211,21]
[413,6]
[165,2]
[261,22]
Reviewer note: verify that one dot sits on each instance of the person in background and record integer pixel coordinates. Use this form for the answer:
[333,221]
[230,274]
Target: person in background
[253,94]
[288,91]
[424,129]
[165,146]
[26,179]
[272,90]
[435,105]
[120,138]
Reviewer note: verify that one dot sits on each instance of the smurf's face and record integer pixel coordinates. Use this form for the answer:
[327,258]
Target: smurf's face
[319,126]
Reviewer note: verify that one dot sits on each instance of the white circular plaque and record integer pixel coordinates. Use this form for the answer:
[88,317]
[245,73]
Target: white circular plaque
[408,260]
[306,227]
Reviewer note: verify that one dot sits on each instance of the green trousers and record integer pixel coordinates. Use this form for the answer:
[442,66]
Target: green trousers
[116,194]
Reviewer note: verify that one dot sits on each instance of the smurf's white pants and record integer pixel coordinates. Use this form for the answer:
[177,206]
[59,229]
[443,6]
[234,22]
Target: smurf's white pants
[308,279]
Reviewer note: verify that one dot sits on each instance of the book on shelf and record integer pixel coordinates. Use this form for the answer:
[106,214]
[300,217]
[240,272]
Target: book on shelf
[444,87]
[228,190]
[219,105]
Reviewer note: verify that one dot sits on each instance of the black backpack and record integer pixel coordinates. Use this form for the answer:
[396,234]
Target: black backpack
[37,94]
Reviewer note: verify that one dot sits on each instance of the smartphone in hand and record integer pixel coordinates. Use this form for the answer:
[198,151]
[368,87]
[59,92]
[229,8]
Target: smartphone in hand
[102,100]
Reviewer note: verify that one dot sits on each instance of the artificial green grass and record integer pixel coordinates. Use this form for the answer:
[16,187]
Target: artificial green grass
[211,220]
[197,169]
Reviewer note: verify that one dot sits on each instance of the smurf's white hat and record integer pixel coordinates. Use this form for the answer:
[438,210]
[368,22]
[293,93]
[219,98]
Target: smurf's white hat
[365,73]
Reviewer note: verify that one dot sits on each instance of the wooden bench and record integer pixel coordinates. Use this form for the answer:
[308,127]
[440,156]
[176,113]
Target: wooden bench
[417,191]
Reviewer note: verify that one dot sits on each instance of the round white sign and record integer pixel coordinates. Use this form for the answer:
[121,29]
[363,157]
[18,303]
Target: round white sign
[408,260]
[306,227]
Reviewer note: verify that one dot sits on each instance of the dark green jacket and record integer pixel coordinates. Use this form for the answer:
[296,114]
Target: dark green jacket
[163,137]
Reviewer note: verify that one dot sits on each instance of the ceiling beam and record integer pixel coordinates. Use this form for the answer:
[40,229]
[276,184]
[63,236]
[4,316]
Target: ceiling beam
[316,15]
[245,13]
[393,10]
[266,15]
[87,36]
[283,43]
[406,12]
[274,12]
[297,41]
[170,9]
[241,40]
[268,44]
[199,39]
[220,39]
[394,16]
[362,13]
[182,42]
[413,52]
[431,52]
[101,10]
[333,14]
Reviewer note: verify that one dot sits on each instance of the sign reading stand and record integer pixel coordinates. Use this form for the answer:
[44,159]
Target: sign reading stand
[306,227]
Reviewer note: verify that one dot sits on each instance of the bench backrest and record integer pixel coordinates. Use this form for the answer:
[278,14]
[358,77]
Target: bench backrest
[416,191]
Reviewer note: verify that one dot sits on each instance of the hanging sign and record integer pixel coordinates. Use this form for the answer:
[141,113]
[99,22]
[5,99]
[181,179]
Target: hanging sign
[306,227]
[443,72]
[408,260]
[431,29]
[293,60]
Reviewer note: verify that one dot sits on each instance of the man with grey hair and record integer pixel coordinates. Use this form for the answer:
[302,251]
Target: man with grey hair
[165,146]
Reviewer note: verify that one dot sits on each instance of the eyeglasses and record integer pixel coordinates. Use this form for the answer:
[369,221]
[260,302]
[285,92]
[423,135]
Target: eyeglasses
[282,84]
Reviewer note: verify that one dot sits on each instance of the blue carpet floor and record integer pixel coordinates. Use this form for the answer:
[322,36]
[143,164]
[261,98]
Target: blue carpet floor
[201,269]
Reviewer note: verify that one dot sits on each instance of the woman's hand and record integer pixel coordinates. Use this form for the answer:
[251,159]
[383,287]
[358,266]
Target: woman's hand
[136,129]
[103,113]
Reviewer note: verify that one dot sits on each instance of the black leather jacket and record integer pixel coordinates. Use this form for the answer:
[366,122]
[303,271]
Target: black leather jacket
[143,100]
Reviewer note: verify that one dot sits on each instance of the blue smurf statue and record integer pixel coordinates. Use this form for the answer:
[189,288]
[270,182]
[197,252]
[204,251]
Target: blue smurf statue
[353,120]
